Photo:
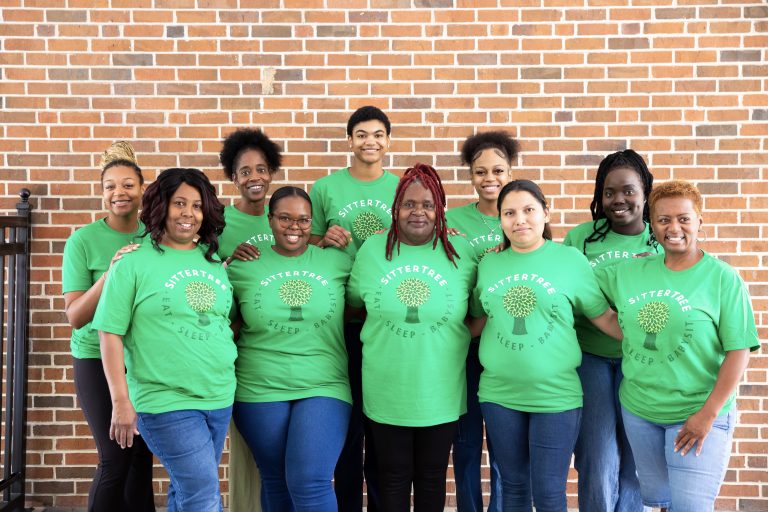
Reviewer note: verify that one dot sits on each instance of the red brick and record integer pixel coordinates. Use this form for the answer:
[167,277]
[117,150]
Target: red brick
[686,90]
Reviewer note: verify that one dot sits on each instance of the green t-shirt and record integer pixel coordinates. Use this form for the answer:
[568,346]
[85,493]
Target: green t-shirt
[241,227]
[528,348]
[172,309]
[677,328]
[613,249]
[414,338]
[87,255]
[360,207]
[482,232]
[291,344]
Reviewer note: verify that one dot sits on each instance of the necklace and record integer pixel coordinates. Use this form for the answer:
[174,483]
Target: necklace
[491,230]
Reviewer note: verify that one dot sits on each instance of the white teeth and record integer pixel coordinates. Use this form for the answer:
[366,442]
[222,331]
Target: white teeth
[292,238]
[675,238]
[256,188]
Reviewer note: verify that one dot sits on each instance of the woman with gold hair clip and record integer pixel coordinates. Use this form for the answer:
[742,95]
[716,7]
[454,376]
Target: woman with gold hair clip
[123,479]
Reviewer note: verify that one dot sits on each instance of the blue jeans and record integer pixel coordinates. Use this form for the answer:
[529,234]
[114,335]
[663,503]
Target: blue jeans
[296,445]
[607,477]
[533,451]
[468,448]
[682,484]
[189,444]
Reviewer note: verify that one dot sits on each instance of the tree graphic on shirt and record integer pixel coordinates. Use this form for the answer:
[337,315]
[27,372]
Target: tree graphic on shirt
[366,224]
[653,318]
[200,297]
[295,293]
[413,293]
[519,302]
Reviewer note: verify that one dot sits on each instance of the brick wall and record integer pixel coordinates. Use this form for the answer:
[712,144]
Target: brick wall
[684,82]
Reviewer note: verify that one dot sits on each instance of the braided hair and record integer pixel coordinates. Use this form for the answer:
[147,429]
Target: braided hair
[621,159]
[428,178]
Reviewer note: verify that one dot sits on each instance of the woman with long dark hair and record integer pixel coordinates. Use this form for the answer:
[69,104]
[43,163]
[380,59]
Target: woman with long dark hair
[166,343]
[530,393]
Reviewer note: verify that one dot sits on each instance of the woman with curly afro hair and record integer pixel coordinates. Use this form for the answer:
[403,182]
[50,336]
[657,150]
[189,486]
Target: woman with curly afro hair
[250,160]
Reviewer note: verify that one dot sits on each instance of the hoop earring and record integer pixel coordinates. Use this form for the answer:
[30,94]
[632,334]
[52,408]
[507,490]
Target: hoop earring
[697,235]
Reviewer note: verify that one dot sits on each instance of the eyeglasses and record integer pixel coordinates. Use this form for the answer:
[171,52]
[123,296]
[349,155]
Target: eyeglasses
[287,222]
[426,206]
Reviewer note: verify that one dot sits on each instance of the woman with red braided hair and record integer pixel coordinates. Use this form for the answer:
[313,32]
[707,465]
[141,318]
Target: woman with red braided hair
[414,284]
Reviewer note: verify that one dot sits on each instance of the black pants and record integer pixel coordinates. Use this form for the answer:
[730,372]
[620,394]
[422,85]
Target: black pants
[412,455]
[348,477]
[123,479]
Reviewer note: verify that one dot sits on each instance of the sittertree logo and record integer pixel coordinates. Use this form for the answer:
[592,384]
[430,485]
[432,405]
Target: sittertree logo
[200,297]
[366,224]
[519,302]
[295,293]
[413,293]
[652,318]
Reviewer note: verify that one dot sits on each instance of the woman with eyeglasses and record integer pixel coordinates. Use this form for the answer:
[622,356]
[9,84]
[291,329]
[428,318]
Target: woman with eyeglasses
[293,400]
[414,285]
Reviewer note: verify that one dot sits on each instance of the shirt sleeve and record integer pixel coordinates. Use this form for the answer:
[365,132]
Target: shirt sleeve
[115,310]
[588,299]
[736,325]
[75,275]
[319,221]
[606,277]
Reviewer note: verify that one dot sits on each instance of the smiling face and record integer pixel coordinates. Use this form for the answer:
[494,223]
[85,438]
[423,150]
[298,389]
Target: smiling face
[416,218]
[184,219]
[291,221]
[369,141]
[675,224]
[523,219]
[623,200]
[490,172]
[252,176]
[121,190]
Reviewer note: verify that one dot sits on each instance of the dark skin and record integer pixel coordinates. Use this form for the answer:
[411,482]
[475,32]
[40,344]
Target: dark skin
[121,191]
[368,143]
[252,177]
[676,222]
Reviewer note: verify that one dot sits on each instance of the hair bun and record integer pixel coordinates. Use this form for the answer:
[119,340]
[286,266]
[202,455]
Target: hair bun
[120,150]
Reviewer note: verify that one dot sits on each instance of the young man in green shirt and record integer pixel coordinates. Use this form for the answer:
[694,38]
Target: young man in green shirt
[349,206]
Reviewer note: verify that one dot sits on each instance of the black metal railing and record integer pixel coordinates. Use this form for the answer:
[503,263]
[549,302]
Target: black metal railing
[14,334]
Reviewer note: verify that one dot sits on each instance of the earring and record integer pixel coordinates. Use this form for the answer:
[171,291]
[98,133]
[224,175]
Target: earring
[698,239]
